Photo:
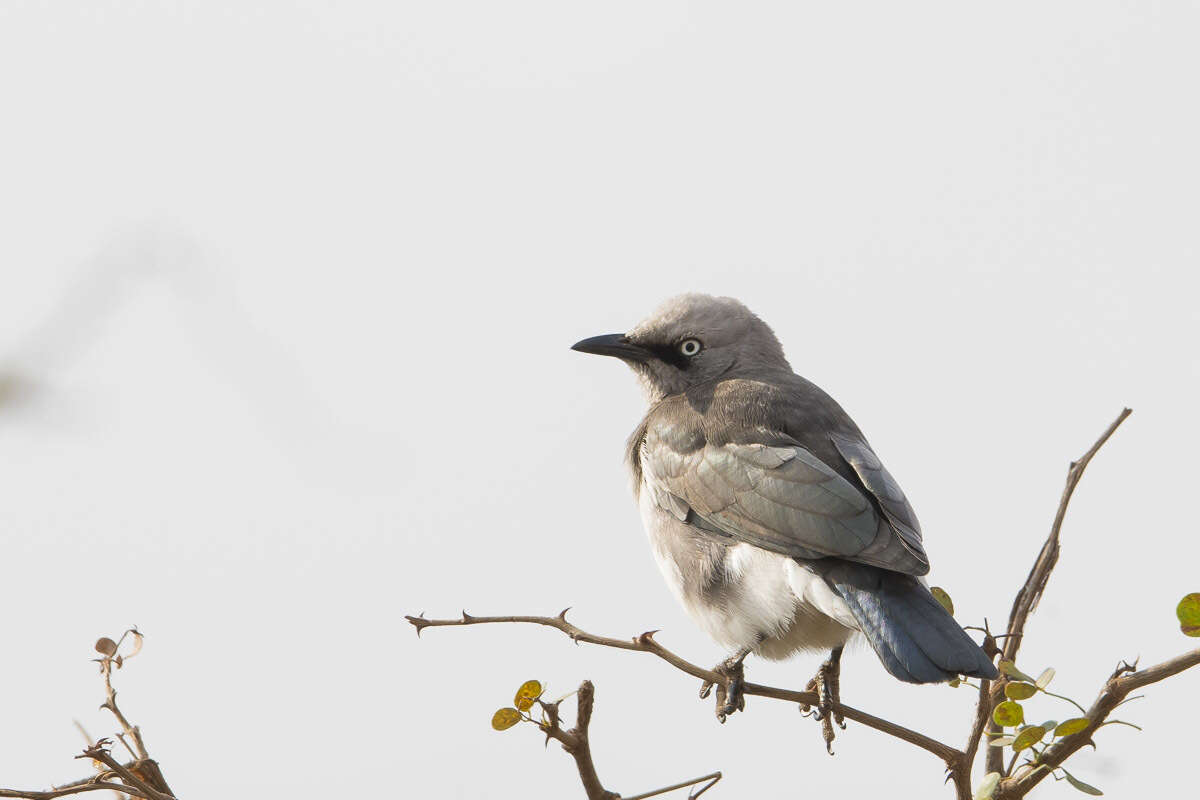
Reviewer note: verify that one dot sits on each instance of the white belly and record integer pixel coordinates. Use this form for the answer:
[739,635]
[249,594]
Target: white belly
[743,596]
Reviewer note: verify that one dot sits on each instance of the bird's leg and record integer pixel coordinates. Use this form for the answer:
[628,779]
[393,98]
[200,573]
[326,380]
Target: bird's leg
[729,691]
[827,685]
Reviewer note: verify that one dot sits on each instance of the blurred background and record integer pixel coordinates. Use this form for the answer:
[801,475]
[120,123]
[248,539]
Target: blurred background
[286,296]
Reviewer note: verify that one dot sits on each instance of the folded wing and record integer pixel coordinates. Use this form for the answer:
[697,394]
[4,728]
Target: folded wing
[783,498]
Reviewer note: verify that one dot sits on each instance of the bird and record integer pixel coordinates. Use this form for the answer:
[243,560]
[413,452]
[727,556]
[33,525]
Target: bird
[772,519]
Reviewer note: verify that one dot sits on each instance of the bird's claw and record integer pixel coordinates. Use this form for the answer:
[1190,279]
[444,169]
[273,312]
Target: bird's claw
[730,694]
[827,685]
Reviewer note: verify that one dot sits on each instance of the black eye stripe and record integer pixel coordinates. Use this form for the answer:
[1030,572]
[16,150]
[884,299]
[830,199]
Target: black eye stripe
[669,354]
[673,353]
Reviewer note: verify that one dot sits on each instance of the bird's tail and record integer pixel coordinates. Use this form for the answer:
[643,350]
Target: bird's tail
[916,639]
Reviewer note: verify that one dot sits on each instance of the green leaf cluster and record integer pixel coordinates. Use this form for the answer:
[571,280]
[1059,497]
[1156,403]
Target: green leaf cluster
[1032,739]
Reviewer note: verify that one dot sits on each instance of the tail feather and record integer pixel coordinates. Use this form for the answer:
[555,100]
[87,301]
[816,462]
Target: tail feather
[914,637]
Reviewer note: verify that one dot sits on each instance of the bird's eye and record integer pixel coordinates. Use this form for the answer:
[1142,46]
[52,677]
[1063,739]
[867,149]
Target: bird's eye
[690,347]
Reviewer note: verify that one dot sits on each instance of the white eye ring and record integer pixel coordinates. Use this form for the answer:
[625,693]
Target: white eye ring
[690,347]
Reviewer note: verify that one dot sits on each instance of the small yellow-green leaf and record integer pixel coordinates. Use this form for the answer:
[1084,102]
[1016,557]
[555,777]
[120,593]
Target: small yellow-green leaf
[1069,726]
[1028,736]
[1003,741]
[1044,679]
[529,691]
[505,718]
[987,787]
[1080,785]
[1188,612]
[1008,714]
[954,683]
[940,595]
[1019,690]
[1010,669]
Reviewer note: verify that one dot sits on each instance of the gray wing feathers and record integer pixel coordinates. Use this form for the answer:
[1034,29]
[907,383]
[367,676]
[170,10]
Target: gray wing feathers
[780,498]
[887,492]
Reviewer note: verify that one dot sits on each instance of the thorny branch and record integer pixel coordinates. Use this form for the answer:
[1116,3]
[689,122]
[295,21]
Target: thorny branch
[646,643]
[140,777]
[958,762]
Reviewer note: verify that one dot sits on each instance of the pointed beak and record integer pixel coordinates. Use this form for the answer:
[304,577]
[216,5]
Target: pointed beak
[612,344]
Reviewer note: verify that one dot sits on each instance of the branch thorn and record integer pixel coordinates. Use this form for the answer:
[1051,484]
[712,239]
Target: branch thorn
[419,622]
[647,637]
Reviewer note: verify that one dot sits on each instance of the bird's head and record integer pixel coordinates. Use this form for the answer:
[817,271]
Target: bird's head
[690,340]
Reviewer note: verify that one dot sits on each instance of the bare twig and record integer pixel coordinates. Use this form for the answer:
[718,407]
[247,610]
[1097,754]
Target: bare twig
[1031,591]
[712,778]
[1027,598]
[645,643]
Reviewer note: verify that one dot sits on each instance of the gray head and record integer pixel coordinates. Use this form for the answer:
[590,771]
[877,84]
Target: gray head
[690,340]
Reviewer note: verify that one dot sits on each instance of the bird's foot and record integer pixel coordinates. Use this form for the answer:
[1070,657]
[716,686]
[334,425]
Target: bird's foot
[730,697]
[827,685]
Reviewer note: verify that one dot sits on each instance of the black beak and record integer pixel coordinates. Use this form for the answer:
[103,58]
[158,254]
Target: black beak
[612,344]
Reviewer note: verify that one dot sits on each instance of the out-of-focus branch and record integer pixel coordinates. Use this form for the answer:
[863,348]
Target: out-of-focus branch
[1031,591]
[645,643]
[99,752]
[91,786]
[138,780]
[140,777]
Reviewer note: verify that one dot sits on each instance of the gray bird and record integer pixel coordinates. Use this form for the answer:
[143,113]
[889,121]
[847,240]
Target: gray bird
[771,518]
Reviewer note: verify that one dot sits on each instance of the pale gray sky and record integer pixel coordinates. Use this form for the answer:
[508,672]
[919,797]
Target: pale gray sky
[288,290]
